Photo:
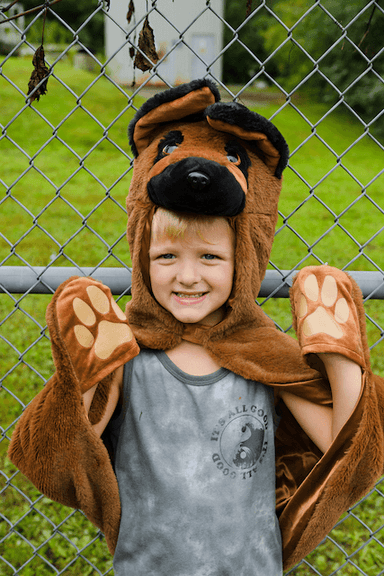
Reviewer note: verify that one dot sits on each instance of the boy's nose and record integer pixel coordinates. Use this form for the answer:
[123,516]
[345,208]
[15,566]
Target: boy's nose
[188,274]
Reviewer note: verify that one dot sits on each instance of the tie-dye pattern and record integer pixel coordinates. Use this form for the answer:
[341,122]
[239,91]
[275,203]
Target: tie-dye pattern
[196,472]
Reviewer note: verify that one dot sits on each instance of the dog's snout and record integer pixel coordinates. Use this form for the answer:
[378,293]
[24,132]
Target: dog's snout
[198,180]
[197,185]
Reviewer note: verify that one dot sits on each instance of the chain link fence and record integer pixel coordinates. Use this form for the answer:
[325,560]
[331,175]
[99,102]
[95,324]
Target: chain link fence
[65,172]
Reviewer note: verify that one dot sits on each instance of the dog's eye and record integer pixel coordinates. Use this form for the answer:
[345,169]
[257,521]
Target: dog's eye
[233,158]
[169,148]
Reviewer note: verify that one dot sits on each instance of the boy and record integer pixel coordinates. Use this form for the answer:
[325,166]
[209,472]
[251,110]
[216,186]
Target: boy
[180,515]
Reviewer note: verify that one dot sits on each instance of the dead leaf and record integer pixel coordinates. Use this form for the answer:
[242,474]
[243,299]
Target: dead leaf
[249,7]
[147,46]
[39,72]
[131,11]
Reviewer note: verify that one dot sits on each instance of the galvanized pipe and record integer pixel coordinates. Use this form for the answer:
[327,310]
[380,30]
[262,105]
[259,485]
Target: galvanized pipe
[41,280]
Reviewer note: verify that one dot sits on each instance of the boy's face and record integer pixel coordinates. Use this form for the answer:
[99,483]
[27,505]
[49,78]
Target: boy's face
[192,277]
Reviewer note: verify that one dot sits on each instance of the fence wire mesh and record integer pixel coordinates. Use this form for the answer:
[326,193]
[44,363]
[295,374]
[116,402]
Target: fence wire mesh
[66,169]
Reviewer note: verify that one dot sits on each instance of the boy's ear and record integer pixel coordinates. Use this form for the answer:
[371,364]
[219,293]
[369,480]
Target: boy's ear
[236,119]
[175,104]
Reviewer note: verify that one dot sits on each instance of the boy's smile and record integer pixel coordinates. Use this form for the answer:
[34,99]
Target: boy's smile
[192,277]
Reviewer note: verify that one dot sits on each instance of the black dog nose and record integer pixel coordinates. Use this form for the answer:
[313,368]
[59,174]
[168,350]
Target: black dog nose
[198,180]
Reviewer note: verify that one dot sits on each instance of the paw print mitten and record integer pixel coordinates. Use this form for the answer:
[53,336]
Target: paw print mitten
[90,334]
[328,314]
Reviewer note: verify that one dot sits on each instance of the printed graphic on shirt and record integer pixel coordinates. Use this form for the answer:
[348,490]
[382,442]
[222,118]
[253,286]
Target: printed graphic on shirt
[240,441]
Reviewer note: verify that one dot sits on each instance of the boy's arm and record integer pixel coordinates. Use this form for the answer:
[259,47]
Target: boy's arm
[53,443]
[115,392]
[328,317]
[322,423]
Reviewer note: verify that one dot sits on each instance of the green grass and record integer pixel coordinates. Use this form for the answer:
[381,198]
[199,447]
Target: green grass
[61,147]
[71,190]
[70,219]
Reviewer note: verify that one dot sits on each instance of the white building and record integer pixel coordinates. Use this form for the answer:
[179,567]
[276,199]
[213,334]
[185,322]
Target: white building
[10,32]
[180,60]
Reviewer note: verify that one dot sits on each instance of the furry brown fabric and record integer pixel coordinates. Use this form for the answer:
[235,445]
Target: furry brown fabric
[55,446]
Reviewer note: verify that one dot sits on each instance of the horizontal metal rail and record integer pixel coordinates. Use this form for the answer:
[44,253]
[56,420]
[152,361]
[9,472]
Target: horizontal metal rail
[42,280]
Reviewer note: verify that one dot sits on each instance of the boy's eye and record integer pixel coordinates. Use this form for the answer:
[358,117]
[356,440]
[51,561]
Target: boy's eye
[169,148]
[167,256]
[209,256]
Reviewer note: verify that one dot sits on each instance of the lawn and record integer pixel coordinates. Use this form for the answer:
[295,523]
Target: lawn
[64,178]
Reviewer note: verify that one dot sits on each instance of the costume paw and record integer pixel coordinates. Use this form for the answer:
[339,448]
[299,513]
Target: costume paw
[326,315]
[94,330]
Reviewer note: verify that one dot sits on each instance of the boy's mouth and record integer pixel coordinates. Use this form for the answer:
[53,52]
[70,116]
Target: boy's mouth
[185,298]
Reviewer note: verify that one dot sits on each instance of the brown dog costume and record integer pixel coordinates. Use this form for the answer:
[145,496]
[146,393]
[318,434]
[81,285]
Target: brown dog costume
[196,154]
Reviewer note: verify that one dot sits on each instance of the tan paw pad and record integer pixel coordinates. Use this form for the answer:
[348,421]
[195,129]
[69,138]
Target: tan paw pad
[321,322]
[84,336]
[324,312]
[110,336]
[84,312]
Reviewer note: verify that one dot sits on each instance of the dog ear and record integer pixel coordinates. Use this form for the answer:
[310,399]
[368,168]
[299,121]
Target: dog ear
[236,119]
[187,100]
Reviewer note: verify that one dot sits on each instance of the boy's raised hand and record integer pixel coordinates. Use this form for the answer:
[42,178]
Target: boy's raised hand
[90,334]
[328,314]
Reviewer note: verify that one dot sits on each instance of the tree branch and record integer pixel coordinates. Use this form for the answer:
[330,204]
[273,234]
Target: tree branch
[368,26]
[31,11]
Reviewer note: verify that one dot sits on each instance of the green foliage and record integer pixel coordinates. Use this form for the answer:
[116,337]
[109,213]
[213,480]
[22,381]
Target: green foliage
[355,64]
[242,57]
[74,14]
[54,33]
[324,49]
[291,63]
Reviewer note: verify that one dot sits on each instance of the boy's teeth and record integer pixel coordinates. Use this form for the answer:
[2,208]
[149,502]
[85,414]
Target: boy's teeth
[181,295]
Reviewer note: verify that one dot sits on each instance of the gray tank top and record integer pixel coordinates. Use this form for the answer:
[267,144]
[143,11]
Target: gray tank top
[195,465]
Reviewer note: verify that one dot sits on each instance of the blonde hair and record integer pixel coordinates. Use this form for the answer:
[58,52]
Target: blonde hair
[168,224]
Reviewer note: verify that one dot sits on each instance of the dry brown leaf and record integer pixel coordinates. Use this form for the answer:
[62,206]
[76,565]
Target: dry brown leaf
[147,46]
[40,71]
[131,11]
[249,7]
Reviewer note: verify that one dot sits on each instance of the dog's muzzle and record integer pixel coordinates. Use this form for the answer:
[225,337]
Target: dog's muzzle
[197,185]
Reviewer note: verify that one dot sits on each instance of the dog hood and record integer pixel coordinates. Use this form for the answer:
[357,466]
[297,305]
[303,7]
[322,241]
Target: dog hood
[195,154]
